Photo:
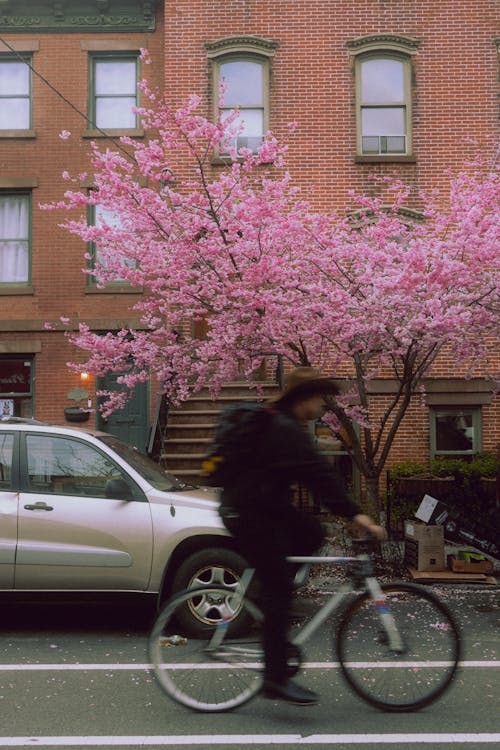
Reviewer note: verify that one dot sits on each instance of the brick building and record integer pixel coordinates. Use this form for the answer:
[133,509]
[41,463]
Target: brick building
[395,87]
[84,59]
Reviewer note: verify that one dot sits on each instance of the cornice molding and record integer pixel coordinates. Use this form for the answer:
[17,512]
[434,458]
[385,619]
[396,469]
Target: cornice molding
[395,42]
[66,16]
[241,43]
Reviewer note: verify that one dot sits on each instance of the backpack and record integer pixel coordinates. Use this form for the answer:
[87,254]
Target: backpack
[236,442]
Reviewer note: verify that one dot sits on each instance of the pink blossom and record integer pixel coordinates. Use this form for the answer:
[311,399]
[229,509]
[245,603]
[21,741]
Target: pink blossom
[64,135]
[365,294]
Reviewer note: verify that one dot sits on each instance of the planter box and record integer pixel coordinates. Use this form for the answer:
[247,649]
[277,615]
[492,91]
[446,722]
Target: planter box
[75,414]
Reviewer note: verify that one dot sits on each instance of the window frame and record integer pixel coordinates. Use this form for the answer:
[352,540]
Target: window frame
[27,59]
[25,396]
[92,285]
[406,103]
[137,493]
[385,45]
[218,109]
[96,57]
[21,285]
[241,48]
[475,412]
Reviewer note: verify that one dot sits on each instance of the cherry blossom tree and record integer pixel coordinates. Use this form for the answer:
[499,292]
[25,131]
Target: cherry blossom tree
[365,293]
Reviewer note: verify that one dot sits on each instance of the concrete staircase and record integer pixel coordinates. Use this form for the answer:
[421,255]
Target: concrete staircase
[191,426]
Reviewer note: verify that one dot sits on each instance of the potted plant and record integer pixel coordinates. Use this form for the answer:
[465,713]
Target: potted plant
[77,413]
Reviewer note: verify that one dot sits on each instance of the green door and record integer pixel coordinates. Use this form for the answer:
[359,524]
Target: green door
[130,424]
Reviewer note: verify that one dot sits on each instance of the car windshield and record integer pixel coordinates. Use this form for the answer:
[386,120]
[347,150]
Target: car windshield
[152,472]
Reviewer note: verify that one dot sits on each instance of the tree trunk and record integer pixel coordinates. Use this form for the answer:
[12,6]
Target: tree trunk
[373,506]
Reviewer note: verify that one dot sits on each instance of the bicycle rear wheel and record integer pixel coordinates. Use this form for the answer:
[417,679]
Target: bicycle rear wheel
[403,681]
[211,667]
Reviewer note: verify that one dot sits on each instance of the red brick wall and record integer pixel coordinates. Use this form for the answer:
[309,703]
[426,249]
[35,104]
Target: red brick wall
[57,257]
[312,83]
[455,97]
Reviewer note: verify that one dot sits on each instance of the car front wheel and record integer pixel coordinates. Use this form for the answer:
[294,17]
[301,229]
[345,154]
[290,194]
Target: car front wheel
[211,567]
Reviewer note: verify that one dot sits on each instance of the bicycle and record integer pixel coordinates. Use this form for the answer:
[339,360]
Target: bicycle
[398,645]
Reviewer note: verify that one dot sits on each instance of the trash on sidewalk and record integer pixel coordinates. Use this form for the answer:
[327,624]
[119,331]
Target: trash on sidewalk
[472,565]
[457,528]
[448,576]
[424,547]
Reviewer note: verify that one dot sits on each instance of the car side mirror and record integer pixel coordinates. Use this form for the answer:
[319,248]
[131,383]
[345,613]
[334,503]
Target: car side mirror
[118,489]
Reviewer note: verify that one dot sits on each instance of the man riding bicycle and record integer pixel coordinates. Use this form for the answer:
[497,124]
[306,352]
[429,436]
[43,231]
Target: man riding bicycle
[257,509]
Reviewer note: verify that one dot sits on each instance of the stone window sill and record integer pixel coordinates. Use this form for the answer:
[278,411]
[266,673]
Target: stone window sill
[17,134]
[382,158]
[16,289]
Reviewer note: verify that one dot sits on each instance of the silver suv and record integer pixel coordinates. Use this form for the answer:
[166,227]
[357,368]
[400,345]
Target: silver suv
[82,511]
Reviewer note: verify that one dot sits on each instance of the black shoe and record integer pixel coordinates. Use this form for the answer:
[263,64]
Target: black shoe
[289,691]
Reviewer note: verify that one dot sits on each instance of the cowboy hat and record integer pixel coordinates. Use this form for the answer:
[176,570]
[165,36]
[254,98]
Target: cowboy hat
[303,382]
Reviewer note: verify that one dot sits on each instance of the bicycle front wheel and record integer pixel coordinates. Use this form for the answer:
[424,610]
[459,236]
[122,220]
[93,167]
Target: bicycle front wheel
[417,673]
[213,666]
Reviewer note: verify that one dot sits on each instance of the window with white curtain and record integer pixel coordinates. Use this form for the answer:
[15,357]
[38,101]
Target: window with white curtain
[15,238]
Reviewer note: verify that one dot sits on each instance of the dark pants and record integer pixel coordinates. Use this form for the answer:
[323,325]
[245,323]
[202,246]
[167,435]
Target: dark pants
[266,543]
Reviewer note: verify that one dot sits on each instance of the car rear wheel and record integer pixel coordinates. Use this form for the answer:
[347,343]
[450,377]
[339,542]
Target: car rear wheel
[212,567]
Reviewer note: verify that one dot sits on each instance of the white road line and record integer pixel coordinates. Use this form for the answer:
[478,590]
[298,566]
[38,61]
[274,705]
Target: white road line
[307,665]
[252,739]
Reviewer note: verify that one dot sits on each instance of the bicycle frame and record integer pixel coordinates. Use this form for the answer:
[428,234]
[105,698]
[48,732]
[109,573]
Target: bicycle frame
[333,603]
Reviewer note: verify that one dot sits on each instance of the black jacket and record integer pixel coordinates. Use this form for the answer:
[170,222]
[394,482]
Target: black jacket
[285,455]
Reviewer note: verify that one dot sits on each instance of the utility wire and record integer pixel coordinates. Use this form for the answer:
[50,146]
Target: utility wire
[67,101]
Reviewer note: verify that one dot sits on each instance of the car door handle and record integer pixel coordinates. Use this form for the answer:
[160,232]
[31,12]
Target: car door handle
[39,506]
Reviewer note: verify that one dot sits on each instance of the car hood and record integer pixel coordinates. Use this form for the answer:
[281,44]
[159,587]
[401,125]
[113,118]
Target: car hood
[199,497]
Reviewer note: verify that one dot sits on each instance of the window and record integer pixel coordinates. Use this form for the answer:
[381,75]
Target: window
[242,67]
[15,224]
[383,105]
[15,94]
[99,253]
[243,81]
[455,433]
[64,466]
[16,386]
[113,91]
[383,71]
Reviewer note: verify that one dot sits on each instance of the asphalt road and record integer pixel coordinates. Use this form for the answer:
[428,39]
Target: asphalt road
[77,676]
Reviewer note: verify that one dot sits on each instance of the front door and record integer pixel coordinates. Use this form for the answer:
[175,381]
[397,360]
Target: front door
[83,523]
[130,424]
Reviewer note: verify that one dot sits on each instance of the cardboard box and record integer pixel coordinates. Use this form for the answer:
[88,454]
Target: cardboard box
[473,566]
[421,532]
[424,556]
[457,528]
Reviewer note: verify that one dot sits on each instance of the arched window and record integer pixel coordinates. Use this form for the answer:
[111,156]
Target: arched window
[383,72]
[242,66]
